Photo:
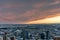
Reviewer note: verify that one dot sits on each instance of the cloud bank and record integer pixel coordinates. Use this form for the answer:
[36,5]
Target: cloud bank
[21,11]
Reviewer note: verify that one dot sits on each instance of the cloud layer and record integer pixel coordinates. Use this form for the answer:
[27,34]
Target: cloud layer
[21,11]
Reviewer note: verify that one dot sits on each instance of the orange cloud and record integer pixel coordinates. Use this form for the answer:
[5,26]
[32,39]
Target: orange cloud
[7,17]
[55,19]
[30,15]
[37,13]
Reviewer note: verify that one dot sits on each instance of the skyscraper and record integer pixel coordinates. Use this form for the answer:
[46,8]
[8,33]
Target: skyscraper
[1,38]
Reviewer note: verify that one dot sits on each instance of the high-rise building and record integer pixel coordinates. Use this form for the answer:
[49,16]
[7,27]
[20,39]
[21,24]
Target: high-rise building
[5,36]
[1,38]
[8,38]
[57,38]
[12,38]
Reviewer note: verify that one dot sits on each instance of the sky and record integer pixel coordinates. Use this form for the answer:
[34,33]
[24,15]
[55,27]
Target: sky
[52,20]
[25,11]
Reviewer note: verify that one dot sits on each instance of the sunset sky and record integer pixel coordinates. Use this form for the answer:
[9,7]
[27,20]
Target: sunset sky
[29,11]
